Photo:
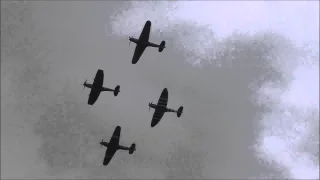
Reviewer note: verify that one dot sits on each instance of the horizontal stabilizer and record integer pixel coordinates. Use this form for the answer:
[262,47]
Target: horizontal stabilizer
[132,148]
[116,90]
[162,46]
[180,111]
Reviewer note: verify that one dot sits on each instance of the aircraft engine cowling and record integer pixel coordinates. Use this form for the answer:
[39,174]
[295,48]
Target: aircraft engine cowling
[162,46]
[116,90]
[132,148]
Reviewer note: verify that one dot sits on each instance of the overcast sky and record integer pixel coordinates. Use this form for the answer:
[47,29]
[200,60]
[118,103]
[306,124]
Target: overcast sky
[247,74]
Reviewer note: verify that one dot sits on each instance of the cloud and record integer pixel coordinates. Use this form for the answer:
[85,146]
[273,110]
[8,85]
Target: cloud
[290,137]
[261,16]
[214,137]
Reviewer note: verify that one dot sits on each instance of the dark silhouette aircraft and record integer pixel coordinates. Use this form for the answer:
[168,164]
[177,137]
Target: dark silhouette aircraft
[113,146]
[97,87]
[143,43]
[161,108]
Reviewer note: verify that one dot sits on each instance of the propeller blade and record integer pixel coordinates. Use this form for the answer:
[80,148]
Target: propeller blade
[85,82]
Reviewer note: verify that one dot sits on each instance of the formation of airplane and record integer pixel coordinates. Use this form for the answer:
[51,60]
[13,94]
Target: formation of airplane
[160,108]
[113,146]
[143,42]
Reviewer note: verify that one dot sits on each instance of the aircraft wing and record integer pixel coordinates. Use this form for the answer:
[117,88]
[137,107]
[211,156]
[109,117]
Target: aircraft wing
[144,36]
[137,53]
[109,154]
[115,136]
[98,79]
[163,100]
[95,91]
[156,117]
[93,96]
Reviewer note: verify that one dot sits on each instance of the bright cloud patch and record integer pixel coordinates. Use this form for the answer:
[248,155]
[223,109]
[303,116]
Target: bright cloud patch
[288,128]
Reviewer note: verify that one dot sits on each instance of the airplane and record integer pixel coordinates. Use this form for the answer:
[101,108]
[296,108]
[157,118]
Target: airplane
[97,87]
[161,108]
[113,146]
[143,42]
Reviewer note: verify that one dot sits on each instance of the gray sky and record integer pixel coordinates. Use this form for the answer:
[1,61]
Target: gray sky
[250,109]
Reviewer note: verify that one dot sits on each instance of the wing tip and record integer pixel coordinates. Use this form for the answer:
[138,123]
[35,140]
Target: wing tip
[165,90]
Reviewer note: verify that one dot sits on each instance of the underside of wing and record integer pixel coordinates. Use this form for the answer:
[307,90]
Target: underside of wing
[93,96]
[163,100]
[108,156]
[137,53]
[98,79]
[144,36]
[156,117]
[116,136]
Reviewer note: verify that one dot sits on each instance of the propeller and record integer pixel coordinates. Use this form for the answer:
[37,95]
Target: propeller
[150,105]
[84,84]
[101,142]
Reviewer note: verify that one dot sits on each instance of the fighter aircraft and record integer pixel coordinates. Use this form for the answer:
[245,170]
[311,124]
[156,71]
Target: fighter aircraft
[97,87]
[143,43]
[113,146]
[161,108]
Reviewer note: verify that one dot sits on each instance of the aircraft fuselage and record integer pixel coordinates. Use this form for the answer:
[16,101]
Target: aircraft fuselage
[159,108]
[139,42]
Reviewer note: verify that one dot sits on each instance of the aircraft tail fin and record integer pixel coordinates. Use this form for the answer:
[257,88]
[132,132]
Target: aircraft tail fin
[116,90]
[162,46]
[132,148]
[180,111]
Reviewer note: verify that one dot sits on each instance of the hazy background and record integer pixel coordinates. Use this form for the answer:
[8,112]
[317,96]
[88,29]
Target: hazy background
[246,74]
